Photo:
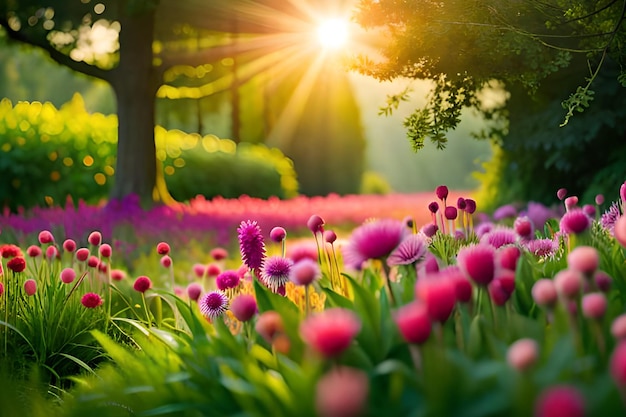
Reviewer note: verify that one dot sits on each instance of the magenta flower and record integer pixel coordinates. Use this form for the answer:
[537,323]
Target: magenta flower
[142,284]
[541,247]
[507,211]
[430,229]
[508,256]
[45,237]
[105,250]
[561,193]
[412,248]
[68,275]
[438,292]
[163,248]
[330,332]
[478,262]
[433,207]
[33,251]
[166,261]
[244,307]
[315,224]
[342,392]
[524,227]
[499,236]
[413,322]
[227,280]
[213,304]
[330,236]
[560,401]
[442,192]
[594,305]
[609,217]
[82,254]
[251,244]
[618,364]
[30,287]
[584,259]
[620,231]
[194,290]
[17,264]
[218,254]
[95,238]
[544,293]
[523,354]
[69,245]
[304,272]
[278,234]
[575,221]
[302,250]
[373,240]
[470,205]
[117,274]
[275,272]
[450,213]
[91,300]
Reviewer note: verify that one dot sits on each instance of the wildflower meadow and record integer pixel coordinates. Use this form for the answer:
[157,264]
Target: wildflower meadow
[444,312]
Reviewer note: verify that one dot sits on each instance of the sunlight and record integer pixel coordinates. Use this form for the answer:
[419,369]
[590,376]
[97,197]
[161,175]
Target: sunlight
[333,33]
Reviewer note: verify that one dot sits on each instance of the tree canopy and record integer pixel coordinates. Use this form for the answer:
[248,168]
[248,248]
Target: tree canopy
[465,45]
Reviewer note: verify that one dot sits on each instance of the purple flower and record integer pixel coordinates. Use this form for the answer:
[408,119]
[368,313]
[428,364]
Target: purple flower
[505,212]
[609,217]
[442,192]
[213,304]
[430,229]
[373,240]
[541,247]
[410,250]
[484,228]
[499,236]
[275,272]
[305,272]
[251,244]
[575,221]
[227,279]
[470,205]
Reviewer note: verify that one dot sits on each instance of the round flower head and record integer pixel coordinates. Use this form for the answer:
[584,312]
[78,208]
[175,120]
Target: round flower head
[105,250]
[165,261]
[95,238]
[594,305]
[268,325]
[68,275]
[219,254]
[560,401]
[30,287]
[571,202]
[478,262]
[17,264]
[51,252]
[91,300]
[330,236]
[438,292]
[524,227]
[315,224]
[93,261]
[33,251]
[163,248]
[304,272]
[69,245]
[523,354]
[45,237]
[584,259]
[373,240]
[213,304]
[618,327]
[442,192]
[618,364]
[213,270]
[603,281]
[412,248]
[142,284]
[251,244]
[470,205]
[460,203]
[1,288]
[244,307]
[430,229]
[342,392]
[278,234]
[117,274]
[568,283]
[499,236]
[413,322]
[508,256]
[599,200]
[302,250]
[544,292]
[589,210]
[330,332]
[575,221]
[561,193]
[433,207]
[227,280]
[194,290]
[619,230]
[10,251]
[275,272]
[462,286]
[450,213]
[82,254]
[497,293]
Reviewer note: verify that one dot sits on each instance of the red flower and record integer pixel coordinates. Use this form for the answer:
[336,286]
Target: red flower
[413,322]
[142,284]
[17,264]
[163,248]
[330,332]
[91,300]
[10,251]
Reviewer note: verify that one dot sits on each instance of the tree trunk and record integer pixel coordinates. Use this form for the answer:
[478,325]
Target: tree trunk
[135,83]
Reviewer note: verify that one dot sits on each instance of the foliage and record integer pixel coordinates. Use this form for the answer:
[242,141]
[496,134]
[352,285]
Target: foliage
[49,155]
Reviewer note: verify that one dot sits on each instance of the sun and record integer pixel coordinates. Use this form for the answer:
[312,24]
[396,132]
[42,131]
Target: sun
[332,33]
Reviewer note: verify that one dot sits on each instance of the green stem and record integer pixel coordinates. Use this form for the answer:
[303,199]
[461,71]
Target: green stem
[387,271]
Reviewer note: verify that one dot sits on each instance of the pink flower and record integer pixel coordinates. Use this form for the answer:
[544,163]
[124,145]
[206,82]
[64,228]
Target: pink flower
[618,327]
[450,213]
[478,262]
[117,274]
[33,251]
[599,200]
[438,292]
[342,392]
[213,304]
[142,284]
[568,283]
[278,234]
[561,193]
[412,249]
[330,236]
[524,227]
[413,322]
[244,307]
[497,292]
[45,237]
[163,248]
[91,300]
[315,224]
[499,236]
[618,364]
[95,238]
[594,305]
[560,401]
[105,250]
[218,254]
[575,221]
[166,261]
[373,240]
[305,272]
[571,202]
[584,259]
[275,272]
[603,281]
[619,230]
[30,287]
[251,244]
[68,275]
[330,332]
[268,325]
[541,247]
[523,354]
[194,290]
[51,252]
[508,256]
[442,192]
[1,288]
[82,254]
[227,280]
[17,264]
[69,245]
[93,261]
[301,250]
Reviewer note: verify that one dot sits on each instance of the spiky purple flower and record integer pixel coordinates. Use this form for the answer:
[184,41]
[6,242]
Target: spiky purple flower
[373,240]
[410,250]
[251,244]
[609,217]
[275,272]
[213,304]
[541,247]
[227,280]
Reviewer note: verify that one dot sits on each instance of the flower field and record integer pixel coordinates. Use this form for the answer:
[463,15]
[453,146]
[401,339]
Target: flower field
[399,305]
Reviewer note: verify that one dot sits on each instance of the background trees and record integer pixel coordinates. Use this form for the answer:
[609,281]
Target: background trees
[554,60]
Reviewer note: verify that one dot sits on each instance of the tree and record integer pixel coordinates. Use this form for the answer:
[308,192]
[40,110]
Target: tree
[547,55]
[132,43]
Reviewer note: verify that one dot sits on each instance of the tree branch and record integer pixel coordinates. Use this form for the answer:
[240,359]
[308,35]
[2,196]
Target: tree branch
[55,54]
